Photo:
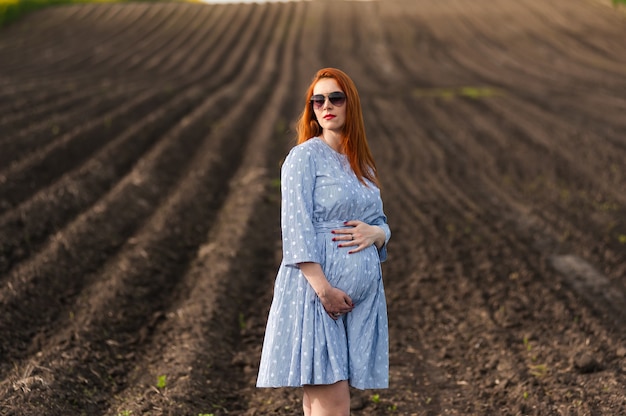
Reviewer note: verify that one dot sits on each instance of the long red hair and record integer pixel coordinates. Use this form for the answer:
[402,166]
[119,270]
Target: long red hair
[354,142]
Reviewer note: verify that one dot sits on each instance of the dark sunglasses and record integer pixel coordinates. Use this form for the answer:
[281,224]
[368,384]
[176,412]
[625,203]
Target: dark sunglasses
[336,98]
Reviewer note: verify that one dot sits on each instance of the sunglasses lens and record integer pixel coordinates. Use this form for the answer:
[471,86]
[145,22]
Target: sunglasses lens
[318,101]
[337,98]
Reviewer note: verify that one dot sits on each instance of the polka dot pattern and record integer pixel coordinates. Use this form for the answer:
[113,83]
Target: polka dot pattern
[302,344]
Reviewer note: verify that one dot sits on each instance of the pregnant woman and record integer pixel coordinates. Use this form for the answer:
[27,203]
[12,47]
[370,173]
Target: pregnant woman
[327,325]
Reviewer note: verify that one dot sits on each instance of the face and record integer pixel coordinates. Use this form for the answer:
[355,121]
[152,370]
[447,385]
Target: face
[330,116]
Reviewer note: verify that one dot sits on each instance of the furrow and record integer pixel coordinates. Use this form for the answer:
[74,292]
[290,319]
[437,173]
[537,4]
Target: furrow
[17,96]
[170,38]
[150,265]
[206,45]
[223,52]
[551,53]
[472,212]
[99,233]
[47,22]
[48,163]
[579,30]
[92,30]
[158,167]
[198,26]
[62,106]
[420,256]
[23,235]
[18,145]
[145,39]
[420,234]
[576,232]
[496,292]
[544,144]
[25,228]
[463,211]
[229,262]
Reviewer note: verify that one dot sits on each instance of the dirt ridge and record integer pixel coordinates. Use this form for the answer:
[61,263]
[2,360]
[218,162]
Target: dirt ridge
[149,248]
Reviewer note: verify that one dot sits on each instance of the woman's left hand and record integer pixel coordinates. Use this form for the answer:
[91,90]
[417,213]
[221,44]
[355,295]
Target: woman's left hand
[359,234]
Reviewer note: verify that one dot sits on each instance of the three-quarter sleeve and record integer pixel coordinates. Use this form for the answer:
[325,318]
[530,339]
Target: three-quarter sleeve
[381,221]
[297,186]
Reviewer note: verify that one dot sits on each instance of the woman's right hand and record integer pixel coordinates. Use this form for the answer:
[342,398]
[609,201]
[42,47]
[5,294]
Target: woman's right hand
[336,302]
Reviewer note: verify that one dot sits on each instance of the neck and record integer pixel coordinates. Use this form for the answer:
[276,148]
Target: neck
[333,139]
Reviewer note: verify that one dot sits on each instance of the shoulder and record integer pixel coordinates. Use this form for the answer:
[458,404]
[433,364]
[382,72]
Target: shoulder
[301,163]
[307,151]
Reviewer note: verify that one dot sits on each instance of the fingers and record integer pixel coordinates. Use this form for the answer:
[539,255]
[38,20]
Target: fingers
[353,224]
[344,234]
[359,248]
[360,236]
[350,236]
[351,240]
[342,306]
[337,315]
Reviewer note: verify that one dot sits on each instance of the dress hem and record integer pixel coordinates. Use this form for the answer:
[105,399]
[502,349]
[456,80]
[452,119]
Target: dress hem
[376,387]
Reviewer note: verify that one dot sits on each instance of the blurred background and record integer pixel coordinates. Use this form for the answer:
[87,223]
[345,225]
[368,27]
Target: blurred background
[140,154]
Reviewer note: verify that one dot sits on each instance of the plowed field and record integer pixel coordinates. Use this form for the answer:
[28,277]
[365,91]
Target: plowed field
[140,150]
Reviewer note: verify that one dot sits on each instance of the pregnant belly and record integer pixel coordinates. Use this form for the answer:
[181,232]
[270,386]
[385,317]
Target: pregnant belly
[357,274]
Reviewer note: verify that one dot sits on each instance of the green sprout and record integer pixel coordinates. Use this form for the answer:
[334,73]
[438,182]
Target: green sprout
[162,382]
[539,370]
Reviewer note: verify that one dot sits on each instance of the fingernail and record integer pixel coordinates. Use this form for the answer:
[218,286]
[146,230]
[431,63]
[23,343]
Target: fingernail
[345,223]
[334,239]
[332,232]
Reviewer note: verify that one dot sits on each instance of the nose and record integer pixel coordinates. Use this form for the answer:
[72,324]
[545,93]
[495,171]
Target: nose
[327,103]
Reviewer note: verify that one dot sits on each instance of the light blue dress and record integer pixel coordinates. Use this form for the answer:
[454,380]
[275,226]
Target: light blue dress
[303,345]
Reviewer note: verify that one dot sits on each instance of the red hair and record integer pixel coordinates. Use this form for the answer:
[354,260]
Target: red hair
[354,142]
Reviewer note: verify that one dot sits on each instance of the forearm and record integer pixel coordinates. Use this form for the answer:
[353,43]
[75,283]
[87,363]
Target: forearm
[315,276]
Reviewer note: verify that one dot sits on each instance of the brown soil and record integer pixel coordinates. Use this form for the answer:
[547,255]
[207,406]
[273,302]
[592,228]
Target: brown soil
[139,236]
